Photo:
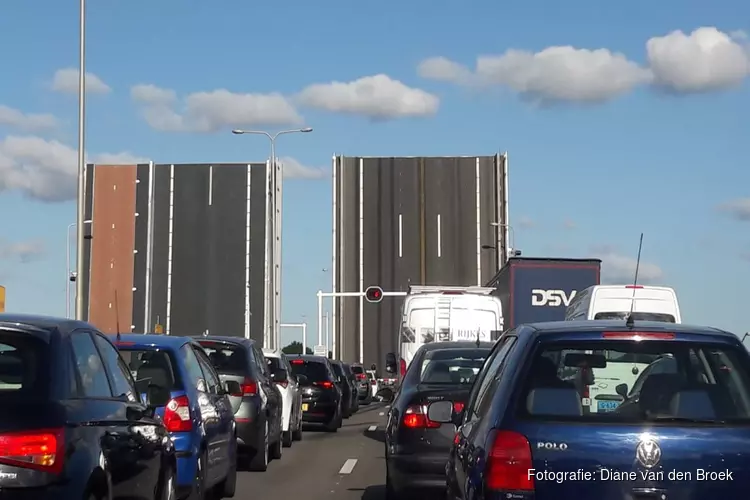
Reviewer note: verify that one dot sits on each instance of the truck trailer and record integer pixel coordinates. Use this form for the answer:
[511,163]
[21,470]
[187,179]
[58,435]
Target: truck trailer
[534,289]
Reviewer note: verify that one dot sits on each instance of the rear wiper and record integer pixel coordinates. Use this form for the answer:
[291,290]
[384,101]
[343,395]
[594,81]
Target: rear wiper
[686,420]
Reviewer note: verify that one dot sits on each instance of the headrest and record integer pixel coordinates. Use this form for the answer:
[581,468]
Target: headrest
[557,402]
[692,404]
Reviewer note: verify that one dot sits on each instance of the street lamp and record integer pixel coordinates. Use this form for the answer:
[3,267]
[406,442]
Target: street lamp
[511,251]
[81,208]
[70,276]
[272,226]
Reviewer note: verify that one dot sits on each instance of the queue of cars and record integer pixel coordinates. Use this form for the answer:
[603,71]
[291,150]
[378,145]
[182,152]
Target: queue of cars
[518,419]
[151,416]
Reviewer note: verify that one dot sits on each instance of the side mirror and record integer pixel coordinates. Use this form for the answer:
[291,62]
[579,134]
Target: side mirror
[233,388]
[622,390]
[157,396]
[440,411]
[391,365]
[280,375]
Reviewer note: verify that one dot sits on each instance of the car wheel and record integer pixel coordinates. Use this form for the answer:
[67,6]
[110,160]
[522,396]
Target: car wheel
[297,433]
[286,438]
[275,451]
[259,461]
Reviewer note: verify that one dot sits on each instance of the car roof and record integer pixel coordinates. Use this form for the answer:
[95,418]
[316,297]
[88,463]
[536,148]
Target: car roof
[272,353]
[433,346]
[153,340]
[314,359]
[45,326]
[620,326]
[224,338]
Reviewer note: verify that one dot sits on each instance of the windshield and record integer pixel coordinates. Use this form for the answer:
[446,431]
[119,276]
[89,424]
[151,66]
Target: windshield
[23,366]
[150,366]
[452,366]
[637,316]
[465,323]
[357,369]
[315,372]
[227,359]
[637,382]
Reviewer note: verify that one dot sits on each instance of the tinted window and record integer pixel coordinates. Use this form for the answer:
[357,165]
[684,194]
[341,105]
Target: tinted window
[212,379]
[687,381]
[337,369]
[193,367]
[637,316]
[314,371]
[260,361]
[122,381]
[88,363]
[227,359]
[452,366]
[274,364]
[24,365]
[150,367]
[484,385]
[357,369]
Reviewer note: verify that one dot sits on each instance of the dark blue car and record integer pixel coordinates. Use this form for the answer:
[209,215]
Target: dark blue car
[198,415]
[532,430]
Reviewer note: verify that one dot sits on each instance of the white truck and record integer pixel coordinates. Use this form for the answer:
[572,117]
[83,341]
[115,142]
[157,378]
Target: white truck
[441,314]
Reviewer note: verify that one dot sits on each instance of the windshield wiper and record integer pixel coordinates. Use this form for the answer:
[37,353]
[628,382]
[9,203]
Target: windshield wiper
[686,420]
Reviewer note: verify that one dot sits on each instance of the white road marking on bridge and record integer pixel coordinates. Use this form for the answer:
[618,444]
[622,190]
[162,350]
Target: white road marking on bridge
[381,413]
[372,428]
[348,466]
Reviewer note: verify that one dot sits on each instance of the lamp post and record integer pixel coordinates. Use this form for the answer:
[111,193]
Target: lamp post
[80,271]
[271,309]
[68,275]
[510,251]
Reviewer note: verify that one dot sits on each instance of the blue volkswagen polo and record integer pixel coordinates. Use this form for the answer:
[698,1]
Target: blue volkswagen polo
[197,413]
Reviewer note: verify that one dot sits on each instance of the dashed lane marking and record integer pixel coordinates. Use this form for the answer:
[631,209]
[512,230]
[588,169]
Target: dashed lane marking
[372,428]
[348,466]
[381,413]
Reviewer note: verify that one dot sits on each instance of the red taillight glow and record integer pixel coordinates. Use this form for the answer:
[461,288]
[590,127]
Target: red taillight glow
[177,415]
[249,388]
[634,287]
[415,417]
[373,382]
[638,335]
[458,406]
[298,361]
[41,450]
[402,367]
[509,463]
[325,384]
[361,376]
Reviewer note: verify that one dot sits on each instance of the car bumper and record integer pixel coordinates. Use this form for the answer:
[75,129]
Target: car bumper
[318,411]
[248,432]
[424,470]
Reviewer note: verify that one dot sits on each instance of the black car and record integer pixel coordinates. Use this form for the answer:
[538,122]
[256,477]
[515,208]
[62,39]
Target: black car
[258,406]
[415,446]
[77,428]
[322,401]
[364,389]
[350,402]
[353,383]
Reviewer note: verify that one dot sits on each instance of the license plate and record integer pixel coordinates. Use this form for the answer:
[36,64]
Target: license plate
[304,406]
[605,406]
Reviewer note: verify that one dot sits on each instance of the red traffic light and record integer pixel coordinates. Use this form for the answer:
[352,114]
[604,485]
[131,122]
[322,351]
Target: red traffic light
[374,294]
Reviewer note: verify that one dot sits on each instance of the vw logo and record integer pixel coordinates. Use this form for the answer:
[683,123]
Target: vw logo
[648,452]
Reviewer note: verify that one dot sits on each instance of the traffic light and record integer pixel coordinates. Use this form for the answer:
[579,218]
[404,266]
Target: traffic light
[374,294]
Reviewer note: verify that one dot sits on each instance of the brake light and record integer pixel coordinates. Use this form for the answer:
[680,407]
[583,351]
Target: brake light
[41,450]
[361,376]
[638,336]
[402,367]
[634,287]
[458,406]
[509,463]
[177,415]
[298,361]
[249,388]
[325,384]
[415,417]
[374,382]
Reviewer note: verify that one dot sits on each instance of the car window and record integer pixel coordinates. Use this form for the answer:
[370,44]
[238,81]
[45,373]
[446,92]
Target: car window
[484,385]
[89,367]
[193,368]
[226,358]
[337,370]
[273,364]
[260,362]
[357,369]
[692,380]
[212,379]
[663,365]
[24,366]
[122,381]
[150,366]
[452,366]
[313,370]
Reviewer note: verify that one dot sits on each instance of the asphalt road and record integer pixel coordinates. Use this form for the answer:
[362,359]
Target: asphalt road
[346,465]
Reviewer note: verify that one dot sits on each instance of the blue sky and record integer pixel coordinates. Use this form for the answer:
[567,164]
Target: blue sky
[601,146]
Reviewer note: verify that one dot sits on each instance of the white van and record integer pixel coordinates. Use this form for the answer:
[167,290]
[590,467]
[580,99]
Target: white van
[652,303]
[447,313]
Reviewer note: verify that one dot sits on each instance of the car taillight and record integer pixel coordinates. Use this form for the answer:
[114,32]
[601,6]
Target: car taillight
[41,450]
[509,463]
[325,384]
[249,387]
[458,406]
[177,415]
[634,287]
[638,336]
[298,361]
[361,376]
[373,382]
[402,367]
[415,417]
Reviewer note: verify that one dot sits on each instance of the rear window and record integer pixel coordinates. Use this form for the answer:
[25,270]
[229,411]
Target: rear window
[227,359]
[452,366]
[315,372]
[150,366]
[637,316]
[23,366]
[357,369]
[274,364]
[637,382]
[337,369]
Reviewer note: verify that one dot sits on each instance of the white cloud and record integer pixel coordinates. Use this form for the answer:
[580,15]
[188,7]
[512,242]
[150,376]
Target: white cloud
[378,97]
[66,82]
[618,268]
[207,112]
[706,59]
[293,169]
[738,209]
[23,251]
[45,169]
[16,119]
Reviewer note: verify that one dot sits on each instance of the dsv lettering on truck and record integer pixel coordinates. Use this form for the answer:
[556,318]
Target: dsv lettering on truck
[551,298]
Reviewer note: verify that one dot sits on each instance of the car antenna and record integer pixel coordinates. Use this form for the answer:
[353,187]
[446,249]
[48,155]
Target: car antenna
[630,321]
[117,317]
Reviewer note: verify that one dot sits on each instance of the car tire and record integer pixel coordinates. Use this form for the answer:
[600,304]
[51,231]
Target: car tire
[259,461]
[168,488]
[287,439]
[297,432]
[275,451]
[335,422]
